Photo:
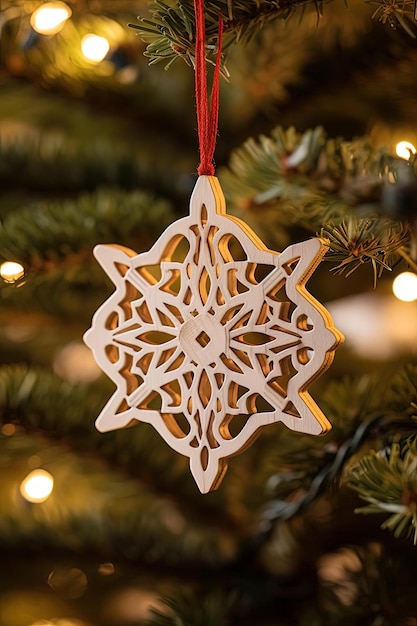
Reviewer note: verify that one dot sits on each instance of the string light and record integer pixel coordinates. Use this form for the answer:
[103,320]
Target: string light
[405,286]
[37,486]
[50,18]
[94,47]
[405,149]
[11,271]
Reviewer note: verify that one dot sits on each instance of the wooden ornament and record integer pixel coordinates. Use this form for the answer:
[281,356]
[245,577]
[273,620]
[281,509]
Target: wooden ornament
[210,327]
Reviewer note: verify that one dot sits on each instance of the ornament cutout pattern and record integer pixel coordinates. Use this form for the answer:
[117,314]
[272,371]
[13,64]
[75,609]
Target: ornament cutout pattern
[209,336]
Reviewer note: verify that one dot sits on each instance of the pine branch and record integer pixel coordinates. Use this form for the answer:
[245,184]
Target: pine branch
[53,163]
[387,480]
[183,609]
[311,180]
[396,14]
[371,584]
[170,30]
[357,241]
[41,402]
[286,509]
[303,168]
[402,394]
[360,411]
[102,509]
[47,234]
[53,240]
[70,291]
[44,405]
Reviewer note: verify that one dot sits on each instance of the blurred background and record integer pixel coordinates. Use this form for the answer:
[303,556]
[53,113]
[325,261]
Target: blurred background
[98,144]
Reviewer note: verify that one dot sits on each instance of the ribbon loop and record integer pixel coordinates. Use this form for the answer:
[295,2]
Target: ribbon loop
[207,113]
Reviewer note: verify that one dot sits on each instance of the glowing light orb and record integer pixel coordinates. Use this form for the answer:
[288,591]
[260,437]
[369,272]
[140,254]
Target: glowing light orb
[94,47]
[50,18]
[405,149]
[37,486]
[75,363]
[405,287]
[11,271]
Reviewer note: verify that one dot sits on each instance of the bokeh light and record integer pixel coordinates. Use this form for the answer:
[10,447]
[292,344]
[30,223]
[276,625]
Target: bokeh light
[69,583]
[75,362]
[106,569]
[8,429]
[376,326]
[50,18]
[94,47]
[404,149]
[37,486]
[65,621]
[405,286]
[11,271]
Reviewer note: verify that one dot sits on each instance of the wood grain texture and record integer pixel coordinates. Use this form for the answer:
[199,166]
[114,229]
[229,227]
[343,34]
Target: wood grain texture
[209,326]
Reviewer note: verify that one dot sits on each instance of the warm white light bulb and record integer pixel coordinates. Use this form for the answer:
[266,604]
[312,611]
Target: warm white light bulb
[405,287]
[37,486]
[50,18]
[94,48]
[11,271]
[405,149]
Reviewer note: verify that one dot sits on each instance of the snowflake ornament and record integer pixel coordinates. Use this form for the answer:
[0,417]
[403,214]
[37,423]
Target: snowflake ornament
[210,336]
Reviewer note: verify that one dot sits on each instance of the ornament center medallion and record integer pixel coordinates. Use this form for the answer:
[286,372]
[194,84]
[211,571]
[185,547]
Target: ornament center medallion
[203,339]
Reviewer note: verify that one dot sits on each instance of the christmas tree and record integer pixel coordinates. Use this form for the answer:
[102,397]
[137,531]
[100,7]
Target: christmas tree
[98,145]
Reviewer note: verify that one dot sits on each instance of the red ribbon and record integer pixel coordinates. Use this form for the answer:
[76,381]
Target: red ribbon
[207,113]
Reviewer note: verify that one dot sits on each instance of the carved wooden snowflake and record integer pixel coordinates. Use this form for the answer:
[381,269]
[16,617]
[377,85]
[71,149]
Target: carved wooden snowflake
[210,336]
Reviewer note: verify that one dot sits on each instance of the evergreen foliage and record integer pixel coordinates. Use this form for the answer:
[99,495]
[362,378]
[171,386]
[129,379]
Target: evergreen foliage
[303,531]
